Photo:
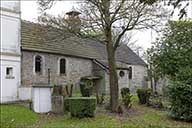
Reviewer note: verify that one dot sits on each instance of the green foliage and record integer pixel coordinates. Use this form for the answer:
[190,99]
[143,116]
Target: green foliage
[144,95]
[16,116]
[180,95]
[126,97]
[185,75]
[155,101]
[172,56]
[82,106]
[145,117]
[86,87]
[66,104]
[100,98]
[172,52]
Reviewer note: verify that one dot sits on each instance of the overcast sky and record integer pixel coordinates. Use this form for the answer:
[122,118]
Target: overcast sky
[29,11]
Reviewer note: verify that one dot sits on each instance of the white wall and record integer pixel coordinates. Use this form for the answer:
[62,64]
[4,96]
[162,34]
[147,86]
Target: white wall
[41,98]
[25,93]
[10,33]
[10,50]
[11,5]
[9,85]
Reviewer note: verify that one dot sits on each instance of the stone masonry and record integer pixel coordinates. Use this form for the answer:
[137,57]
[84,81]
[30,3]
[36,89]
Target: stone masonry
[75,69]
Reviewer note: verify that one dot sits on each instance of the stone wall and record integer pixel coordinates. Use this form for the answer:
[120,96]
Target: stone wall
[75,69]
[98,71]
[139,73]
[138,77]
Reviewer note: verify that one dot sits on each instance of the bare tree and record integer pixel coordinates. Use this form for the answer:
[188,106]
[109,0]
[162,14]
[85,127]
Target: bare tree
[107,16]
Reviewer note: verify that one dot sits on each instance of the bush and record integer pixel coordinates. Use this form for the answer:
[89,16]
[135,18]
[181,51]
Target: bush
[180,95]
[82,106]
[144,95]
[126,97]
[100,98]
[66,104]
[155,101]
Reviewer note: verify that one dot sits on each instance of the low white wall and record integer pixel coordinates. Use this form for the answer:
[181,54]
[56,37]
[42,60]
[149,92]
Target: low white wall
[41,98]
[25,93]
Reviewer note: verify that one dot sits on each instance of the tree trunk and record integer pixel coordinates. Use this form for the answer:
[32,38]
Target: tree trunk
[155,85]
[151,78]
[113,79]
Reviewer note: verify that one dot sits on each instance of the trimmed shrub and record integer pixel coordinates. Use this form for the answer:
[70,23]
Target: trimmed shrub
[144,95]
[180,95]
[126,97]
[82,106]
[66,104]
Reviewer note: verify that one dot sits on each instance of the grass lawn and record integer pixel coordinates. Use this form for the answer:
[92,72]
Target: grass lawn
[140,116]
[16,116]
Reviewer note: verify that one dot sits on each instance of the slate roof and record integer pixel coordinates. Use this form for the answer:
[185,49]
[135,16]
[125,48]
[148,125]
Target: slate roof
[123,54]
[40,38]
[36,37]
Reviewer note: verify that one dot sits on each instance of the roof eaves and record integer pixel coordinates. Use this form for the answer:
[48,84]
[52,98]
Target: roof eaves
[51,52]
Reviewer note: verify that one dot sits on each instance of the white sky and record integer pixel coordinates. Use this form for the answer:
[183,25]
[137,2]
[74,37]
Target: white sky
[29,11]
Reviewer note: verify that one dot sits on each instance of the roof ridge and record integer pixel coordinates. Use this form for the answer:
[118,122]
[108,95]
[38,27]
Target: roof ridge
[42,25]
[31,22]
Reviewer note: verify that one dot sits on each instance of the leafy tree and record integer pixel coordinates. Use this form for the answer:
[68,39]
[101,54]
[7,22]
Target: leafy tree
[172,57]
[172,52]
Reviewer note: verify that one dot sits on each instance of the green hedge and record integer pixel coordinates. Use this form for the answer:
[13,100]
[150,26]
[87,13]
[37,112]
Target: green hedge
[66,104]
[180,95]
[144,95]
[82,106]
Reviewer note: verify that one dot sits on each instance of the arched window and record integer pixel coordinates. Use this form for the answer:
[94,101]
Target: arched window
[38,64]
[62,66]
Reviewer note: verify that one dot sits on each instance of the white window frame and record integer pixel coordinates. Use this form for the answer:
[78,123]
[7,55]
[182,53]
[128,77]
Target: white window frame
[58,65]
[43,64]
